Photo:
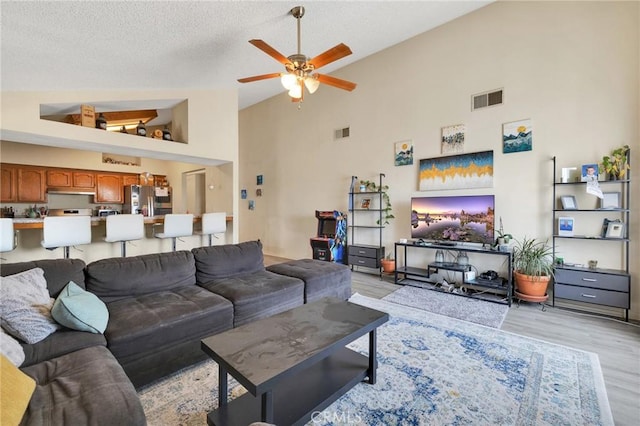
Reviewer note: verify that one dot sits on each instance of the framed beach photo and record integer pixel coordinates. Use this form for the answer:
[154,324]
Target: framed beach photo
[568,202]
[565,226]
[610,200]
[615,230]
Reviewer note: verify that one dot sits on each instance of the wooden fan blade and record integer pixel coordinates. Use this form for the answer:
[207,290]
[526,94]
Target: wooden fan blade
[270,51]
[259,77]
[333,54]
[336,82]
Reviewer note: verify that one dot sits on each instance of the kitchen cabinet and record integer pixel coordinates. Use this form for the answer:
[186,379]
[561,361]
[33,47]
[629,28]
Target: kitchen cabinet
[8,184]
[109,188]
[130,180]
[31,185]
[61,178]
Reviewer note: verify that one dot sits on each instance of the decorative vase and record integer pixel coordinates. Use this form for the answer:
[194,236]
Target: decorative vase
[531,285]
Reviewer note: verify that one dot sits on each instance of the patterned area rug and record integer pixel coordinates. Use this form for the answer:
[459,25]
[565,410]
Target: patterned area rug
[432,370]
[464,308]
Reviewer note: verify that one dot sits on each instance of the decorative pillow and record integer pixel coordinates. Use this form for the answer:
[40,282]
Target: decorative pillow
[10,348]
[78,309]
[15,392]
[25,310]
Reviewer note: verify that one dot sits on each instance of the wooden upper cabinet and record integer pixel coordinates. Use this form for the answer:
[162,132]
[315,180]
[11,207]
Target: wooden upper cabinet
[59,178]
[31,185]
[84,180]
[8,184]
[130,180]
[109,188]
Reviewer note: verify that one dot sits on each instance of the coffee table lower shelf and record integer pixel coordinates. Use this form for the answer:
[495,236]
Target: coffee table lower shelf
[297,397]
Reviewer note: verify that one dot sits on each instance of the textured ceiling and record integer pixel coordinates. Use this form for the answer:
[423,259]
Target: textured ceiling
[155,45]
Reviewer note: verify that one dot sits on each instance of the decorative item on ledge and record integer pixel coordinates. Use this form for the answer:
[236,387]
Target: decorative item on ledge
[141,129]
[616,164]
[101,122]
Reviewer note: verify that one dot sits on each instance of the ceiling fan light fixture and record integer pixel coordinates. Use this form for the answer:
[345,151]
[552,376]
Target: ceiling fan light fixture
[296,91]
[288,80]
[312,84]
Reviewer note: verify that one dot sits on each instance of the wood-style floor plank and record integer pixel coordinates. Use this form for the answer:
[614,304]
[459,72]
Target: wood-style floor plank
[616,342]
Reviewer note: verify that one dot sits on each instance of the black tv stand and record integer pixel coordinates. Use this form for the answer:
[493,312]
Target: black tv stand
[405,274]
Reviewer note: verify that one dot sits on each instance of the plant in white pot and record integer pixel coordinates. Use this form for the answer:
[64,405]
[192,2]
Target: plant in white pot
[532,266]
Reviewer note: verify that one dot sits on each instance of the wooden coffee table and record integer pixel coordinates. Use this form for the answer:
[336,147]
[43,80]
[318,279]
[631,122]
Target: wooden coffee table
[294,363]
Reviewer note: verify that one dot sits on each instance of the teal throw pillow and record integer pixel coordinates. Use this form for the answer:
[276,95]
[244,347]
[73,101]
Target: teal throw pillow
[81,310]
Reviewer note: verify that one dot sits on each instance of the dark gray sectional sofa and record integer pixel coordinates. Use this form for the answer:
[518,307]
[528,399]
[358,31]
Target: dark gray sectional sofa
[160,307]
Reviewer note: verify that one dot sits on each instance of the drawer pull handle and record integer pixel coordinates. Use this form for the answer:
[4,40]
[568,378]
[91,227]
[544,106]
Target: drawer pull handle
[361,261]
[591,296]
[361,252]
[591,280]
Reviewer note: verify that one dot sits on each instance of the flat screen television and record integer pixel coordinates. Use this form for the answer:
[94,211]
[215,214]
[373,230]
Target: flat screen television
[465,218]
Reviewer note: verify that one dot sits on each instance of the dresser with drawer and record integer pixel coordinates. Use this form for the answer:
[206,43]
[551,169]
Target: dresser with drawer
[605,287]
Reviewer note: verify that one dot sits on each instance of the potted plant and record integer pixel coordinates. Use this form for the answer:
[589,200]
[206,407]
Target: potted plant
[386,202]
[388,263]
[503,238]
[533,266]
[616,164]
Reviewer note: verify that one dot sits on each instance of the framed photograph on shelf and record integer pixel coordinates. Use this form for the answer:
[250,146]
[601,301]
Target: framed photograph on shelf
[589,173]
[568,202]
[610,200]
[565,226]
[615,230]
[366,203]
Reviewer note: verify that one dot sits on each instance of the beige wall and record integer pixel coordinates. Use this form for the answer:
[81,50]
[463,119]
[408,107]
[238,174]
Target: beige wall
[573,68]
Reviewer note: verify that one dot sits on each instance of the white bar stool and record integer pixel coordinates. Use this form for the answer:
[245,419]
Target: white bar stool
[214,223]
[66,231]
[175,226]
[8,237]
[124,227]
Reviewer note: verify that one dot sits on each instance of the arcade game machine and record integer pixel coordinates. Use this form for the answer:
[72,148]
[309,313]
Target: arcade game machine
[331,240]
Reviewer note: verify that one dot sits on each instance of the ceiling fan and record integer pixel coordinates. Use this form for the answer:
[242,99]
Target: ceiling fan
[300,70]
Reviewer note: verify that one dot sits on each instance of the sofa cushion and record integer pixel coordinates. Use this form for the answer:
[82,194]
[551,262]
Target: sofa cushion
[85,387]
[57,272]
[321,279]
[15,392]
[123,277]
[80,310]
[25,310]
[60,343]
[11,348]
[228,260]
[258,295]
[146,323]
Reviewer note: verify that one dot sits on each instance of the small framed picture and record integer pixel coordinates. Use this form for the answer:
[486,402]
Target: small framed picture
[615,230]
[569,202]
[565,226]
[589,172]
[610,200]
[259,180]
[366,203]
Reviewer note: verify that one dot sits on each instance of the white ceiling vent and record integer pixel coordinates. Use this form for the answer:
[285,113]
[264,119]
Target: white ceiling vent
[482,100]
[341,133]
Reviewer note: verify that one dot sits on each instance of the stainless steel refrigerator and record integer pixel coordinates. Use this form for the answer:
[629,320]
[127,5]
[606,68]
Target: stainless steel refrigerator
[147,200]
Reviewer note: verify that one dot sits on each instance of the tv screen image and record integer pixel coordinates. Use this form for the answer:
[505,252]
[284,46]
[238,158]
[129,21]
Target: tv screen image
[466,218]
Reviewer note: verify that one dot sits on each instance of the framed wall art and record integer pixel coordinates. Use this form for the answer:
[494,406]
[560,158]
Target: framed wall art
[517,136]
[403,153]
[474,170]
[565,226]
[452,141]
[615,230]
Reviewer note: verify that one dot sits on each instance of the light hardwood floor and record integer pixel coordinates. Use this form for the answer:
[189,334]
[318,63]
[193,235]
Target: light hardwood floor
[617,343]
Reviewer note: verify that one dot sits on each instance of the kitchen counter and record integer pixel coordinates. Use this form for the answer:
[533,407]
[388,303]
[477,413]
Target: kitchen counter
[37,223]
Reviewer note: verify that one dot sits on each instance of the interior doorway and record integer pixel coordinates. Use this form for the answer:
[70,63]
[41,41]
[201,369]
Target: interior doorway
[194,190]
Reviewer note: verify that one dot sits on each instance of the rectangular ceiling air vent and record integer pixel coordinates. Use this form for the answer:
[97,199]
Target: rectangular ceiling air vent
[483,100]
[341,133]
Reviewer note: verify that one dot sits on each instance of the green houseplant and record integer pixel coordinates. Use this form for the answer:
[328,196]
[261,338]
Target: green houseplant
[388,263]
[533,266]
[616,164]
[386,202]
